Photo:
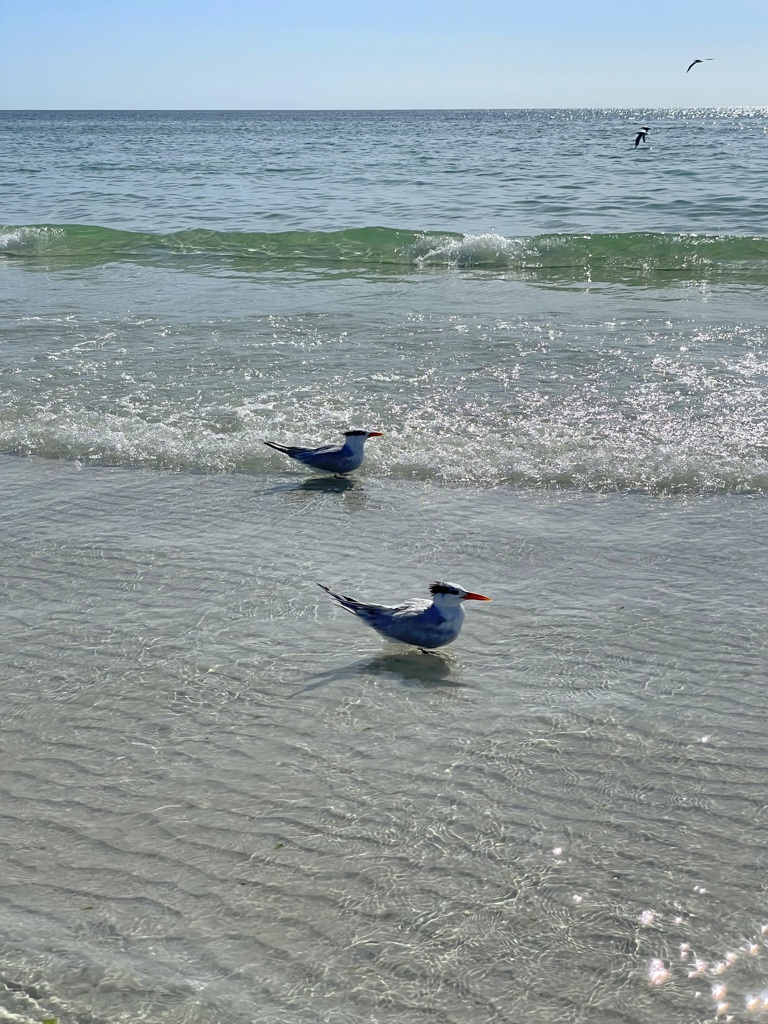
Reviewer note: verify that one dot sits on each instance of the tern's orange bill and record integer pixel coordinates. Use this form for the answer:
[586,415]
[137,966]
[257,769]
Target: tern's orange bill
[375,433]
[475,597]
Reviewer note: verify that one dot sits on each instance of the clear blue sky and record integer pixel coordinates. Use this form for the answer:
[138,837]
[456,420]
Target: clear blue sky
[354,54]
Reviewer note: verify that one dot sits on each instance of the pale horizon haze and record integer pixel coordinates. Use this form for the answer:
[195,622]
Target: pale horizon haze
[305,55]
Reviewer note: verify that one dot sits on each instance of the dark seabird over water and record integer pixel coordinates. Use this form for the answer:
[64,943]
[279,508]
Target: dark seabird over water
[699,60]
[641,136]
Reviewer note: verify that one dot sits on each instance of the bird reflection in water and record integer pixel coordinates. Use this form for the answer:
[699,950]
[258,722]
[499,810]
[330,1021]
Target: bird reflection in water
[425,668]
[315,488]
[402,665]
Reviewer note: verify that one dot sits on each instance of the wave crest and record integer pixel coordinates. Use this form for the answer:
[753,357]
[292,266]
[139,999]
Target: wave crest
[632,257]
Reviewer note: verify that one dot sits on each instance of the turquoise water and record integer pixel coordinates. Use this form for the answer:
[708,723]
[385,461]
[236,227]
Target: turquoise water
[224,800]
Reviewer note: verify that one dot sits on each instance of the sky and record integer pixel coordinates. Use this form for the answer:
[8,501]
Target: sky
[380,54]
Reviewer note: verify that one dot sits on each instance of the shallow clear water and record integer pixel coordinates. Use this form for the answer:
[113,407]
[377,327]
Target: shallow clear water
[223,799]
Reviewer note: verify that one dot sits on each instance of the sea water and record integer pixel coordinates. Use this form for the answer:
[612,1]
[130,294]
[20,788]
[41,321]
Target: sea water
[225,800]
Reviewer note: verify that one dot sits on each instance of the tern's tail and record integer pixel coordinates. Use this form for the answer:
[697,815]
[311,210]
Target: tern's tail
[349,603]
[278,447]
[292,450]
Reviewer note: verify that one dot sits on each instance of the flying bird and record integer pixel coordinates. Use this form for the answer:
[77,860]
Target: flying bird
[425,624]
[329,458]
[699,60]
[641,136]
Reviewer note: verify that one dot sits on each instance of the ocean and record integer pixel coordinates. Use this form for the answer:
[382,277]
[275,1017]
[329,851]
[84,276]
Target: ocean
[223,799]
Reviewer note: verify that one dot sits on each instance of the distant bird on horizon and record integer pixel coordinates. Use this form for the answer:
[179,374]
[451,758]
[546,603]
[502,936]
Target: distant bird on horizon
[330,458]
[699,60]
[642,136]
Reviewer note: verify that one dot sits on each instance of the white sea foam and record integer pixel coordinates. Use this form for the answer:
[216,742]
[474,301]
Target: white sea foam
[489,249]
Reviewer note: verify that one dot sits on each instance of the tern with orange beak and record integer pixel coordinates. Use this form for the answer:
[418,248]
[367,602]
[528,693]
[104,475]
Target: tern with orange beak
[329,458]
[425,624]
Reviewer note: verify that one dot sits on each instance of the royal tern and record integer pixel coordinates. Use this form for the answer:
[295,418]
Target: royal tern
[331,458]
[425,624]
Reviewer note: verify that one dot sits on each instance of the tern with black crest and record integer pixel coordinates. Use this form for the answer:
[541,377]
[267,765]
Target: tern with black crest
[329,458]
[422,623]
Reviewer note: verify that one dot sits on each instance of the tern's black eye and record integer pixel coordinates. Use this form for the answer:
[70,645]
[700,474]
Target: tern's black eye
[355,433]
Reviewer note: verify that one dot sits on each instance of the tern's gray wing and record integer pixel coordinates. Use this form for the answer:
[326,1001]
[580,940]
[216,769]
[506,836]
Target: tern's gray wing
[379,616]
[328,457]
[370,613]
[297,451]
[331,460]
[326,449]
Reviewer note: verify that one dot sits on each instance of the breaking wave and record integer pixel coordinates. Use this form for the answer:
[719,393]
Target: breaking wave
[632,257]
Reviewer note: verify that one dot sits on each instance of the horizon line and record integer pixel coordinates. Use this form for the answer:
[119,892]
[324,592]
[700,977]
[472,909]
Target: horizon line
[350,110]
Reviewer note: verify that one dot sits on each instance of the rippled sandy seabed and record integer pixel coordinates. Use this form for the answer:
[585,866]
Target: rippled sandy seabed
[225,801]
